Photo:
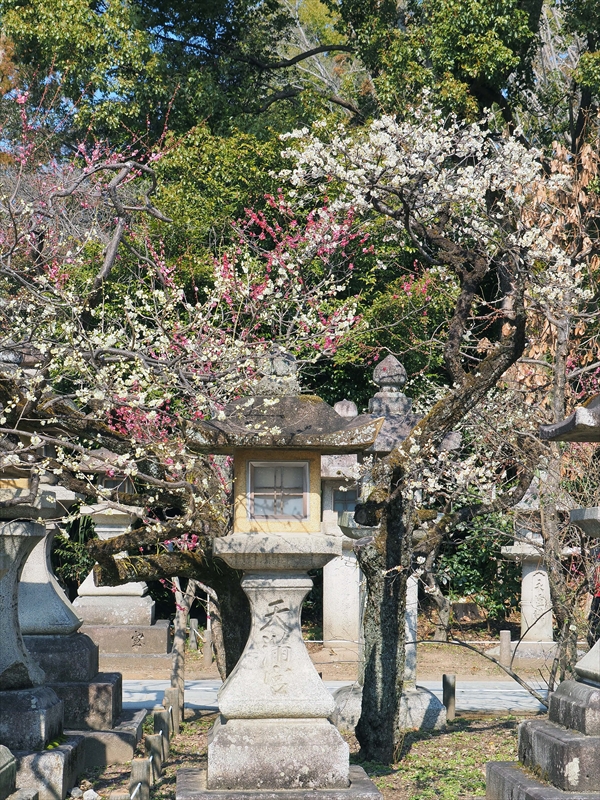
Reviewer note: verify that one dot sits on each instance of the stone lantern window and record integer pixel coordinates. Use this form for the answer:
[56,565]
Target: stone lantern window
[277,490]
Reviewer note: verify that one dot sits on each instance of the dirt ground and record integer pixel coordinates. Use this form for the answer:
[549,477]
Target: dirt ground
[433,660]
[431,765]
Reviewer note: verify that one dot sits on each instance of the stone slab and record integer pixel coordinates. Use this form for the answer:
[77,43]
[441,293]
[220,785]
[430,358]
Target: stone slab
[420,709]
[115,746]
[64,658]
[506,780]
[134,666]
[30,718]
[132,639]
[25,794]
[122,610]
[8,772]
[191,785]
[133,589]
[276,753]
[576,706]
[93,705]
[566,759]
[54,772]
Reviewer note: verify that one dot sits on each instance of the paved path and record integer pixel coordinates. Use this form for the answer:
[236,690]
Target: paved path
[471,696]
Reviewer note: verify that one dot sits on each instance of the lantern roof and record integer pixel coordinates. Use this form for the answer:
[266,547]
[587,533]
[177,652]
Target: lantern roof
[583,425]
[279,416]
[298,421]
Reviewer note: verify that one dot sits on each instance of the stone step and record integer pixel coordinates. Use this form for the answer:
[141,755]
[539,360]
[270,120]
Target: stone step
[566,759]
[114,746]
[576,705]
[64,658]
[191,785]
[507,780]
[93,705]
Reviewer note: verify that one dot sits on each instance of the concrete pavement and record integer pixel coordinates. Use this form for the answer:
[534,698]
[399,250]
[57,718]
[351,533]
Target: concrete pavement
[471,696]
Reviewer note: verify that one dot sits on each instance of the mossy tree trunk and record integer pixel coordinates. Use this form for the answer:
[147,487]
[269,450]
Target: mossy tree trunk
[385,561]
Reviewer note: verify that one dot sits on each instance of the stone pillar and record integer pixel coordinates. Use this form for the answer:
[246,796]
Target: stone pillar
[342,579]
[412,610]
[536,605]
[30,715]
[43,606]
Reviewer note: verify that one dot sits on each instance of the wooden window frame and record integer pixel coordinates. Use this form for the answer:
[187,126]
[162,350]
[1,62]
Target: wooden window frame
[305,490]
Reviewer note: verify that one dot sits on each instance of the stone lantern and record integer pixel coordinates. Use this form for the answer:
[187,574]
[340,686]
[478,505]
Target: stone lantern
[273,732]
[564,748]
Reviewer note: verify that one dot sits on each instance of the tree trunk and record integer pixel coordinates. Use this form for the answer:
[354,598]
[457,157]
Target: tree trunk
[550,489]
[384,560]
[235,619]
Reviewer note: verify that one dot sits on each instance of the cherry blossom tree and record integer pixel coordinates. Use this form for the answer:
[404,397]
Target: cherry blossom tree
[466,200]
[108,360]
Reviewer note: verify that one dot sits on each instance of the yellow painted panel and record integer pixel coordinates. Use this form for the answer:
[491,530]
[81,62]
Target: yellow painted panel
[14,483]
[243,524]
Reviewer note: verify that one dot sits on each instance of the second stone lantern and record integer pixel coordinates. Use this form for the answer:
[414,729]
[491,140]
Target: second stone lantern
[273,732]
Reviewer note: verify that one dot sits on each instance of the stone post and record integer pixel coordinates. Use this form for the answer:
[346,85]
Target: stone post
[274,728]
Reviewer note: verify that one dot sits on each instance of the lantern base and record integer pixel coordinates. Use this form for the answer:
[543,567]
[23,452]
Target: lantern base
[191,785]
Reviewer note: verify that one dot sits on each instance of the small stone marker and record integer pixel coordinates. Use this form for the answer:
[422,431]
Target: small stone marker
[141,776]
[171,702]
[119,796]
[162,726]
[154,750]
[505,648]
[449,695]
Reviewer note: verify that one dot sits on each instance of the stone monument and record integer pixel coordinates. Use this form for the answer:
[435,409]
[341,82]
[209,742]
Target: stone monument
[121,619]
[562,752]
[274,733]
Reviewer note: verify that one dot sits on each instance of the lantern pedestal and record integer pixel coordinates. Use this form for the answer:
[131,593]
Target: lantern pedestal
[274,729]
[274,733]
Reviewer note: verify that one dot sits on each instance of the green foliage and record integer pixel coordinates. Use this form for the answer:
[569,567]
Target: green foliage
[206,183]
[131,69]
[71,561]
[475,568]
[469,54]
